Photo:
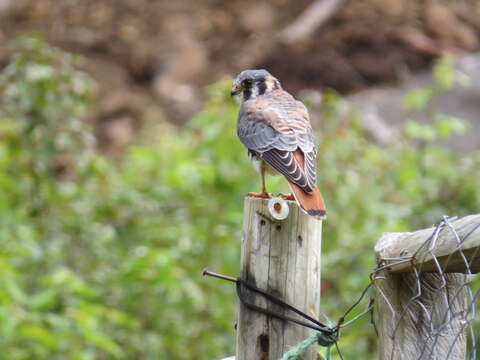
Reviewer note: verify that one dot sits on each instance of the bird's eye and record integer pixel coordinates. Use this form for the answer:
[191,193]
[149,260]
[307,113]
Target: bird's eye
[247,82]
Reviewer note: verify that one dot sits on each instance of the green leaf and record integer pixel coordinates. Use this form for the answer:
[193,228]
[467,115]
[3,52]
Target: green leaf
[415,130]
[448,125]
[104,343]
[39,334]
[444,72]
[43,300]
[418,99]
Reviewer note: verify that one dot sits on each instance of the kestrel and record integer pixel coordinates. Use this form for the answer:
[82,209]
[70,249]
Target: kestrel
[276,130]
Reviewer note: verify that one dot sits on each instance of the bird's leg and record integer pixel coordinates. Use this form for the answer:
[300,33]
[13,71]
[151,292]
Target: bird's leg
[287,196]
[264,194]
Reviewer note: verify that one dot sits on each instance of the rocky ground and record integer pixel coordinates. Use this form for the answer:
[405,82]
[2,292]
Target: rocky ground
[383,112]
[157,56]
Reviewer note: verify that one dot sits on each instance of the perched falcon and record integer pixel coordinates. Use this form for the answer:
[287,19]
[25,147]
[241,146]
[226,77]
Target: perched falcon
[276,130]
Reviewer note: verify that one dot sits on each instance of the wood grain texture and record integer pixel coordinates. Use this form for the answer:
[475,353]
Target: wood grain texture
[407,244]
[282,257]
[413,325]
[421,292]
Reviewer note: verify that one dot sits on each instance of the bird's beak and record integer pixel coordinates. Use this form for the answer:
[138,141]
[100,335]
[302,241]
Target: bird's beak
[235,90]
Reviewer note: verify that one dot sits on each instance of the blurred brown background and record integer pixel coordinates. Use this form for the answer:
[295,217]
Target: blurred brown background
[157,56]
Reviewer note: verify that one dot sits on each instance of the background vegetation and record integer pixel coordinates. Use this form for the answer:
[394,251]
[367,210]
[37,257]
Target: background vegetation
[102,258]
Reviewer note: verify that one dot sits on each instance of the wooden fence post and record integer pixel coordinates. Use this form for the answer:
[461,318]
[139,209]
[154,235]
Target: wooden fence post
[282,257]
[404,328]
[422,312]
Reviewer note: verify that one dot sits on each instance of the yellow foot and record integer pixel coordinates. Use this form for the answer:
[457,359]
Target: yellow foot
[262,195]
[286,196]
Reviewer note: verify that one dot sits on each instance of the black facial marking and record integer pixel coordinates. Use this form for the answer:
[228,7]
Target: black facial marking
[247,92]
[247,83]
[262,87]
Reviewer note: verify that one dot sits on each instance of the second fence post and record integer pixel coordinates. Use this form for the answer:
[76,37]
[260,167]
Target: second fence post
[283,258]
[424,305]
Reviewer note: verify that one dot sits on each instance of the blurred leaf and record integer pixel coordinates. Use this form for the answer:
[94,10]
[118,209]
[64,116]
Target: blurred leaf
[444,73]
[415,130]
[450,125]
[417,99]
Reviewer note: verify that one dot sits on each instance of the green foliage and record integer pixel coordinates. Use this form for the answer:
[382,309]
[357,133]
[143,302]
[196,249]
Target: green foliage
[445,77]
[46,97]
[418,99]
[443,127]
[103,260]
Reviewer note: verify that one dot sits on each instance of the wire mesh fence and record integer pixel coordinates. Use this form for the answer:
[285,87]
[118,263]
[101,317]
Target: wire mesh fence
[426,292]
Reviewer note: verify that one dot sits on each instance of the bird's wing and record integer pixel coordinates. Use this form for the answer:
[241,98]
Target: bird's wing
[278,128]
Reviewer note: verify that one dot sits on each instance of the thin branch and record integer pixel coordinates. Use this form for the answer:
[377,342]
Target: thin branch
[310,20]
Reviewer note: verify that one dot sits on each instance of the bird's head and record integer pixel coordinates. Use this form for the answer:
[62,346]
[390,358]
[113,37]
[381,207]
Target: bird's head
[252,83]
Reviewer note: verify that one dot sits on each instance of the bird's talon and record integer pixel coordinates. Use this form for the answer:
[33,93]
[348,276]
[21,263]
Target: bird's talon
[287,196]
[261,195]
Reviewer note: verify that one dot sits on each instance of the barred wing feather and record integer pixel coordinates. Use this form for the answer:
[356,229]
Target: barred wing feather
[275,126]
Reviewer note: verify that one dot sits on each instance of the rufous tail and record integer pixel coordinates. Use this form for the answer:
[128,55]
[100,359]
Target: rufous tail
[312,203]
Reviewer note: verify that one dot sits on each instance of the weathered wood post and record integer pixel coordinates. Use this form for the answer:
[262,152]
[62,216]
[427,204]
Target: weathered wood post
[282,257]
[421,311]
